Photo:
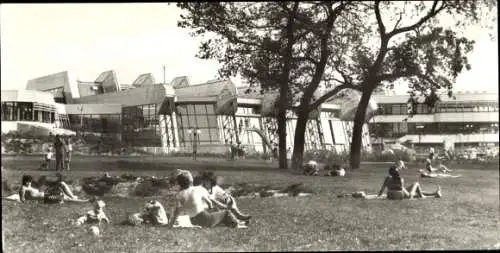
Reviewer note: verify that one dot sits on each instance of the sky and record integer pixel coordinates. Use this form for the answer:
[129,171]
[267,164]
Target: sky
[132,39]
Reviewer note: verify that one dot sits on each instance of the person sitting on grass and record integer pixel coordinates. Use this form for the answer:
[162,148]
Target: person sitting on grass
[396,190]
[429,169]
[153,213]
[58,192]
[311,168]
[95,215]
[209,181]
[194,201]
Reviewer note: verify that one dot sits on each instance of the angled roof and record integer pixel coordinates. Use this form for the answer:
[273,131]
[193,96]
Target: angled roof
[144,79]
[51,81]
[180,82]
[206,89]
[109,81]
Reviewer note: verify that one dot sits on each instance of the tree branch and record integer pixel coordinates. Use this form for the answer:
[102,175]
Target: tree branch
[330,94]
[432,12]
[381,26]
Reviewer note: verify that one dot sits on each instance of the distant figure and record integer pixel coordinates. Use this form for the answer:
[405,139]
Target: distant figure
[47,159]
[60,148]
[69,149]
[431,153]
[196,139]
[335,170]
[311,168]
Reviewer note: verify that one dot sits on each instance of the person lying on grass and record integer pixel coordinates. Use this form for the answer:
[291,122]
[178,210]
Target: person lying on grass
[396,190]
[209,181]
[95,215]
[194,201]
[335,170]
[153,213]
[57,192]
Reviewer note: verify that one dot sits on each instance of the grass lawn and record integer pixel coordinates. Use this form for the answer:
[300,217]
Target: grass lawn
[467,217]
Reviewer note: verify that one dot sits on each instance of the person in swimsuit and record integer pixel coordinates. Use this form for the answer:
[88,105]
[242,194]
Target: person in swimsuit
[396,190]
[209,181]
[194,201]
[429,169]
[27,192]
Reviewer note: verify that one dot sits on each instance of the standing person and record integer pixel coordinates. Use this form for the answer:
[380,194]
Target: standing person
[196,139]
[60,149]
[69,149]
[431,153]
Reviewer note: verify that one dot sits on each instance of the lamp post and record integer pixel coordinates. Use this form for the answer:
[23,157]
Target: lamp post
[80,108]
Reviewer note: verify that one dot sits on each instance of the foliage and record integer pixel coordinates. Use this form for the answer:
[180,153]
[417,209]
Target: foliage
[335,45]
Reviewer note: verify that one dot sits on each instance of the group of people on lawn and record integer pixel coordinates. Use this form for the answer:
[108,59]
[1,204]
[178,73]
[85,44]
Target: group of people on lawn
[63,149]
[205,204]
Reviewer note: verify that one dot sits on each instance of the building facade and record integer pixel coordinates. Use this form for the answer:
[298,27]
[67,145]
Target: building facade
[469,119]
[165,117]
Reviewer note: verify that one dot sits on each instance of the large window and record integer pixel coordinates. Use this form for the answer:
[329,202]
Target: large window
[140,125]
[476,107]
[25,111]
[394,130]
[199,117]
[95,123]
[9,111]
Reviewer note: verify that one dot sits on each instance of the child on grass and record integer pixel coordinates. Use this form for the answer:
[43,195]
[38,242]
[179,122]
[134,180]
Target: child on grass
[95,215]
[153,213]
[47,159]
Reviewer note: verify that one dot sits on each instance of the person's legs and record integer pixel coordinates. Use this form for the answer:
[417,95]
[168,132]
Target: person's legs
[234,209]
[212,219]
[67,191]
[415,189]
[68,160]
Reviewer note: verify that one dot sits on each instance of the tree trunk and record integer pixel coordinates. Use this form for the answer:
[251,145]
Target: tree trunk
[299,140]
[282,137]
[357,131]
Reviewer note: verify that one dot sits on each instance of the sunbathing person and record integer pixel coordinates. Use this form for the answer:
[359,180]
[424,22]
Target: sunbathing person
[194,201]
[396,190]
[209,181]
[59,192]
[429,169]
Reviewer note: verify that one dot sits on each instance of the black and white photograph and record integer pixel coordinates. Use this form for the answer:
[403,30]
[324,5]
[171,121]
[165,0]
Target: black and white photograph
[250,126]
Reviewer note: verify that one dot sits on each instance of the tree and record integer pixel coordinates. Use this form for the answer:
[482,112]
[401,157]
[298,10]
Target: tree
[417,51]
[337,45]
[258,48]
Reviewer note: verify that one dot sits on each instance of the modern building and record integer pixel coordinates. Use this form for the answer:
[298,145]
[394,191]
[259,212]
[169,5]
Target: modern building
[166,117]
[469,119]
